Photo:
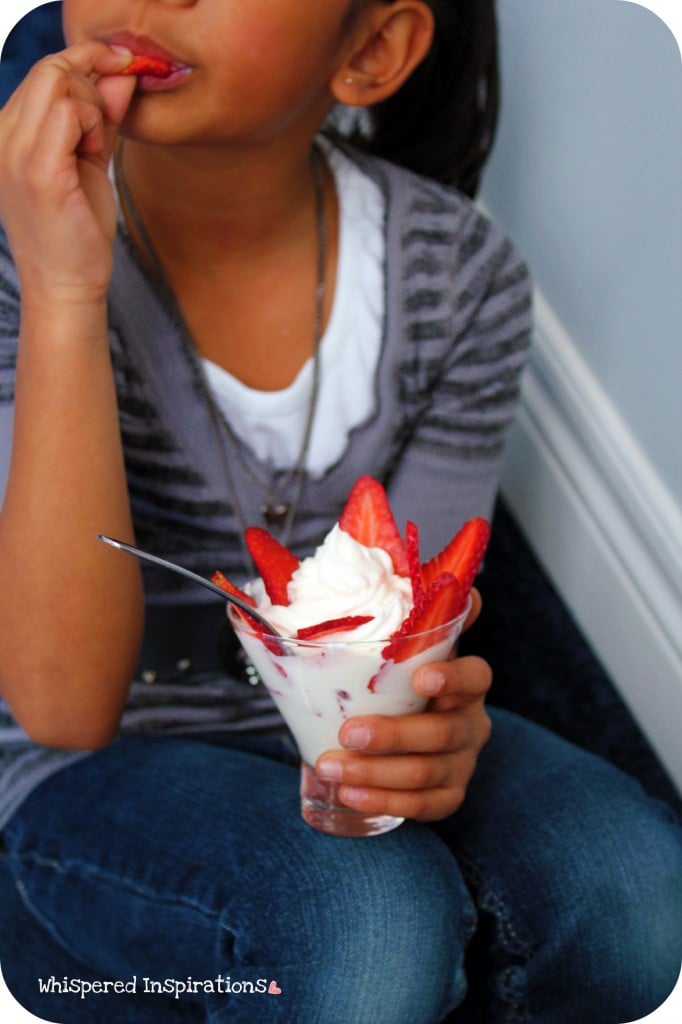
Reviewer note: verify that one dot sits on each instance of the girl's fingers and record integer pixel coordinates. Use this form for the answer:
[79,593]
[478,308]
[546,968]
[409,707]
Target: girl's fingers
[116,92]
[67,108]
[430,732]
[72,73]
[452,683]
[425,785]
[406,785]
[91,58]
[397,771]
[420,733]
[26,111]
[419,805]
[462,683]
[468,678]
[69,126]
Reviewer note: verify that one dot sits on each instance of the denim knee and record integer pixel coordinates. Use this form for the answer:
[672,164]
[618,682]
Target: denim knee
[577,879]
[359,930]
[615,934]
[643,883]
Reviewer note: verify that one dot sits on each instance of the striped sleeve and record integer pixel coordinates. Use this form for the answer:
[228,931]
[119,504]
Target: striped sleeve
[9,334]
[462,375]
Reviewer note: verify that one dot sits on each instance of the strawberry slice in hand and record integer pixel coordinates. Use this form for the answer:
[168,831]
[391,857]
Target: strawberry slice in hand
[444,600]
[367,517]
[462,556]
[324,629]
[275,563]
[156,67]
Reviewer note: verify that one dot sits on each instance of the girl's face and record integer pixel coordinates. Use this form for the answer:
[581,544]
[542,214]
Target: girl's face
[249,69]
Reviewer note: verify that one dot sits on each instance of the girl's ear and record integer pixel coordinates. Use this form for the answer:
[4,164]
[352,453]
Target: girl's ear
[388,41]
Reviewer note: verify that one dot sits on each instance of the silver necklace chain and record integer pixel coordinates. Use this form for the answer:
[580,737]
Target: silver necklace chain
[277,512]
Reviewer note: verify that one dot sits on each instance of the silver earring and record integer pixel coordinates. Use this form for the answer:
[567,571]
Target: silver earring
[348,80]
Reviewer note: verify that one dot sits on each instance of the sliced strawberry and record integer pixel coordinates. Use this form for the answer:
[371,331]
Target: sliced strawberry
[145,65]
[367,517]
[443,601]
[322,629]
[462,556]
[230,588]
[275,563]
[222,581]
[412,551]
[271,642]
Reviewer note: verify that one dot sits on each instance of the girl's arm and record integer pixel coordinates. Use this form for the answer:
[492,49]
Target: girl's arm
[466,387]
[70,610]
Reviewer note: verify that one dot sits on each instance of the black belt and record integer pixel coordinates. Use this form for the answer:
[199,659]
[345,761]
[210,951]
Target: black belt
[186,640]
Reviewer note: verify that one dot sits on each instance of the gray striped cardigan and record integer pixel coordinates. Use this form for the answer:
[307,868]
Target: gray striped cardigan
[455,339]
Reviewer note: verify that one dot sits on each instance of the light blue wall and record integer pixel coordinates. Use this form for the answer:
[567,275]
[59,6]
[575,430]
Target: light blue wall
[586,176]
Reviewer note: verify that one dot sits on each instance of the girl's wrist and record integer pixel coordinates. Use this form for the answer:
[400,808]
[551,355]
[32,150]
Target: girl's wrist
[64,317]
[50,292]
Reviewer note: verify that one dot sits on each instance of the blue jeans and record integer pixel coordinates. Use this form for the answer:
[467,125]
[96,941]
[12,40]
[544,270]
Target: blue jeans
[554,893]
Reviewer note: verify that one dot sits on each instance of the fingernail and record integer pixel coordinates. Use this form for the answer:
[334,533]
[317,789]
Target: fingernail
[431,682]
[357,737]
[122,51]
[331,770]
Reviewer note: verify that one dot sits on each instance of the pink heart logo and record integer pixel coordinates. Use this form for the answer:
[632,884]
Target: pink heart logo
[274,989]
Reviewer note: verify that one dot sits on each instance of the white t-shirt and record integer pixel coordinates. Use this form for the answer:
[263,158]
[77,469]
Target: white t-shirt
[272,422]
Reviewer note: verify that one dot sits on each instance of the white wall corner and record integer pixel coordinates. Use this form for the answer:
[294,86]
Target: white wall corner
[605,528]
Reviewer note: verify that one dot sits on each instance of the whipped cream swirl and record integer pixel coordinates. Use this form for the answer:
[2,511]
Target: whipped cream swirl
[342,578]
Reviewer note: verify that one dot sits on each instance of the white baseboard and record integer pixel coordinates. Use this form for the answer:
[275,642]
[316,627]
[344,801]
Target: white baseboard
[605,528]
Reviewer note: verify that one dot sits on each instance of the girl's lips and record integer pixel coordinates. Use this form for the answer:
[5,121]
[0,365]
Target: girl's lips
[142,46]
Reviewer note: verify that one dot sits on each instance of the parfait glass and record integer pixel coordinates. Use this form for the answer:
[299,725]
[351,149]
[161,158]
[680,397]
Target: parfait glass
[318,684]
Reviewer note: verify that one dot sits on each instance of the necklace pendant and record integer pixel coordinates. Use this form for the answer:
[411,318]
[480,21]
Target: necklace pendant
[274,513]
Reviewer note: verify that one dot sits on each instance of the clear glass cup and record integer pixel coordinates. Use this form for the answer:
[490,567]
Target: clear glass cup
[318,684]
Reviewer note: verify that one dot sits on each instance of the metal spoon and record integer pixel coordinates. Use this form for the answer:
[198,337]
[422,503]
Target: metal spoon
[139,553]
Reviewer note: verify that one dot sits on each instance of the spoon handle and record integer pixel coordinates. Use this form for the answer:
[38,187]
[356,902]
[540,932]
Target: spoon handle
[201,580]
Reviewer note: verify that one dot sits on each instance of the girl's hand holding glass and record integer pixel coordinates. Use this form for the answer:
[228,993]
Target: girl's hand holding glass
[421,764]
[57,133]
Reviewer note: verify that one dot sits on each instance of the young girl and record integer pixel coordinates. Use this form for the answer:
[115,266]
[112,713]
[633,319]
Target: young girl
[213,314]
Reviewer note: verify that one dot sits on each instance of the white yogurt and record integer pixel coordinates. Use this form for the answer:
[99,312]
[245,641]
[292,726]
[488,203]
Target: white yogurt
[318,685]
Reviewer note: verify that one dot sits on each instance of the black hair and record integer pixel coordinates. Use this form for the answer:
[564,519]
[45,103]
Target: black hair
[442,122]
